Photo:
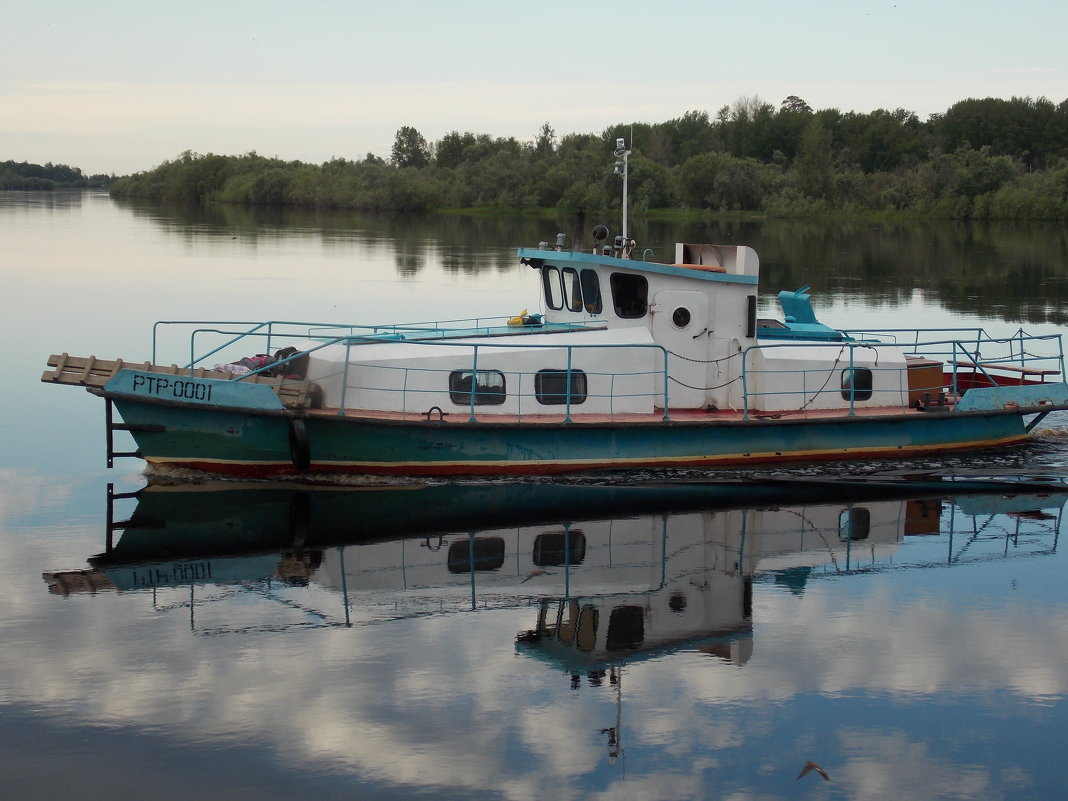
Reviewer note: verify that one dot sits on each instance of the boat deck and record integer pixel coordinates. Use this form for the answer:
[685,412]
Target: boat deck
[674,416]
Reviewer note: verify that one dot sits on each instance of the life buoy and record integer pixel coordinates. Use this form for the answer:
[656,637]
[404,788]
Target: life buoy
[299,451]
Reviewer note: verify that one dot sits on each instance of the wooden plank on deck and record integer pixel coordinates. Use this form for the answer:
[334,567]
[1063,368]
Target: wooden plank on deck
[91,372]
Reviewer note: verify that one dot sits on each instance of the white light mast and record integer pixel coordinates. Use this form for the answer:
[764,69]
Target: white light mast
[621,167]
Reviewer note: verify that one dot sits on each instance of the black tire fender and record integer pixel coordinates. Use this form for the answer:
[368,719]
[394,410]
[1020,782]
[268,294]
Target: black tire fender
[299,449]
[299,519]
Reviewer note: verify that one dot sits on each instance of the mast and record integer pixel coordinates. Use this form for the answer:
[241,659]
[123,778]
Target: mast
[621,168]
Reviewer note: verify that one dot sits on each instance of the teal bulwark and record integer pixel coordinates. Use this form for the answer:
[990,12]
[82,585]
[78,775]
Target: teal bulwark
[987,399]
[188,389]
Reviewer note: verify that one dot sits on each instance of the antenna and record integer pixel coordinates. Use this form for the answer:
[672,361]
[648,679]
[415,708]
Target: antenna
[621,168]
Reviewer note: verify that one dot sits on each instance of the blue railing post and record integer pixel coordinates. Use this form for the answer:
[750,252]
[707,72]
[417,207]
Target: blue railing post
[155,326]
[474,382]
[745,386]
[953,361]
[344,379]
[852,382]
[567,396]
[667,415]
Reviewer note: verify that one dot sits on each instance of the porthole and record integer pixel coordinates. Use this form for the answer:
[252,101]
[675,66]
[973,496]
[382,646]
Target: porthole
[856,384]
[681,317]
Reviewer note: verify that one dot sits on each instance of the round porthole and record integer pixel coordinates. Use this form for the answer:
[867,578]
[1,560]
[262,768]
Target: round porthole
[681,317]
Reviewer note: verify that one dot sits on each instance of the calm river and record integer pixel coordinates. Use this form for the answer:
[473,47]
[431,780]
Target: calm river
[589,638]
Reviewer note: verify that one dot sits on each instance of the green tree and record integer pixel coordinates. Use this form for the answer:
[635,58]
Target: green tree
[697,180]
[545,142]
[795,105]
[449,151]
[814,166]
[410,149]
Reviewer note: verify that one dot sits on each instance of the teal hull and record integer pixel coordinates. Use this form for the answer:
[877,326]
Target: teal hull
[272,443]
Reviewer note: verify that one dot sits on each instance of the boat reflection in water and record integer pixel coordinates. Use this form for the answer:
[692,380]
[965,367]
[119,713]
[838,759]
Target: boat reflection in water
[610,572]
[600,580]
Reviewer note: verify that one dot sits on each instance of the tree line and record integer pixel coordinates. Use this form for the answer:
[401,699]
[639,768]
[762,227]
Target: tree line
[25,176]
[982,158]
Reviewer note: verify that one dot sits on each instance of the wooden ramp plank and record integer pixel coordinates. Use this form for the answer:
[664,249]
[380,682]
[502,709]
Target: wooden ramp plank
[91,372]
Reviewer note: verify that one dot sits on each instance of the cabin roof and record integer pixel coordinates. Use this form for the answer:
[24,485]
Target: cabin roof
[536,257]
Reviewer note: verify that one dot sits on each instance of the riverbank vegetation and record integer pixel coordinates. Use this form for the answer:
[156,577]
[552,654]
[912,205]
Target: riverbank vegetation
[25,176]
[981,159]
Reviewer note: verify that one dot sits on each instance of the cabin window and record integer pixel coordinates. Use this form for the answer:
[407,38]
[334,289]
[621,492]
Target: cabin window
[553,549]
[572,290]
[489,388]
[553,289]
[591,291]
[586,636]
[680,318]
[626,628]
[481,553]
[856,384]
[854,524]
[630,295]
[567,620]
[551,387]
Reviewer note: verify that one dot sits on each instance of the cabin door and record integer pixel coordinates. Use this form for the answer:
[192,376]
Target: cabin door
[681,325]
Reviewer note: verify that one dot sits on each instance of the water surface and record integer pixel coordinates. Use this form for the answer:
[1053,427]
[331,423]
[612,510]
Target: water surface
[556,639]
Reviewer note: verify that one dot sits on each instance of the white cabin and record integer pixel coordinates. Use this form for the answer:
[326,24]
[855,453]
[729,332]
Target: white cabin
[610,329]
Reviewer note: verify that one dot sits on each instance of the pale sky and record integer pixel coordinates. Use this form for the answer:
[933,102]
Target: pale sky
[118,86]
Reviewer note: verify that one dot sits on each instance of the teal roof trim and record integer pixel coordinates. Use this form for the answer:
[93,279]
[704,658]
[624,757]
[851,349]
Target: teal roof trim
[565,257]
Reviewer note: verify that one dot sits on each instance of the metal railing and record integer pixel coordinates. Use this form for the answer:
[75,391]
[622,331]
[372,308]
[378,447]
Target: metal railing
[978,353]
[271,333]
[958,349]
[567,350]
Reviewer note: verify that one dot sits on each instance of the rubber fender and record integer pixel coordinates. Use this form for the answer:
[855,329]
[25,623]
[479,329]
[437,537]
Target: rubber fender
[299,519]
[299,450]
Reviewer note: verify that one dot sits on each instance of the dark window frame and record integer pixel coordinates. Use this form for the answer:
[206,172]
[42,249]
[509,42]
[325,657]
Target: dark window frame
[857,384]
[569,277]
[556,548]
[476,555]
[630,295]
[626,628]
[854,524]
[591,291]
[557,395]
[554,300]
[485,394]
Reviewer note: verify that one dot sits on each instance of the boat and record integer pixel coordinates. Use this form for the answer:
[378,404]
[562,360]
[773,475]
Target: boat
[627,363]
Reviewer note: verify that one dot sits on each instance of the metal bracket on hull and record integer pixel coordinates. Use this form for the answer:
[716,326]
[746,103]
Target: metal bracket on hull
[1037,419]
[111,427]
[112,525]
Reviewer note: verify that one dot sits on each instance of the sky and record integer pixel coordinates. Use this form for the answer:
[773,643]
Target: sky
[116,86]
